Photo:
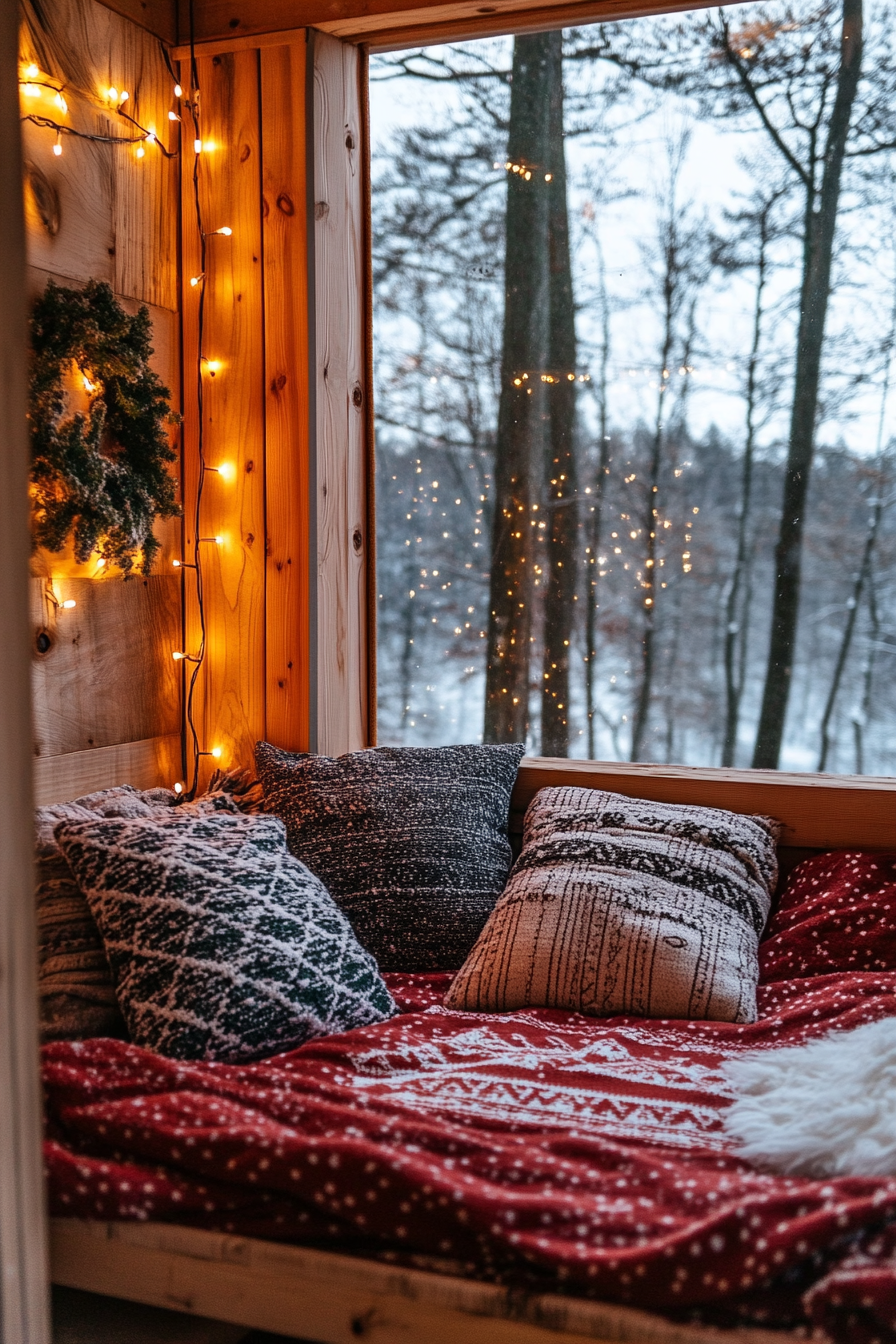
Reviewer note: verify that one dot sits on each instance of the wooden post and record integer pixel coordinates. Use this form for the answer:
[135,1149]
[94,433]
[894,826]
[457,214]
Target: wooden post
[23,1261]
[340,363]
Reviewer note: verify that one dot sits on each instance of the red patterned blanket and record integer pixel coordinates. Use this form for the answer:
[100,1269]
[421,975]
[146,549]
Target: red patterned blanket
[535,1146]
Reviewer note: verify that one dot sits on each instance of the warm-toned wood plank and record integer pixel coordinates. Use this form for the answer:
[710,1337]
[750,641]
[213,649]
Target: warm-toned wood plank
[465,20]
[340,394]
[159,17]
[231,686]
[117,213]
[107,675]
[286,378]
[24,1315]
[335,1299]
[818,811]
[381,21]
[148,764]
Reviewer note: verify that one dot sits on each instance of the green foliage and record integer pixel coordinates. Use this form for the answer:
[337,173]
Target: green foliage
[101,478]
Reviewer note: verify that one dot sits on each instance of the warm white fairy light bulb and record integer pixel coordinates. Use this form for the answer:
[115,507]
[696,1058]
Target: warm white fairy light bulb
[57,148]
[32,72]
[226,471]
[112,94]
[178,788]
[216,752]
[141,152]
[178,91]
[197,146]
[172,116]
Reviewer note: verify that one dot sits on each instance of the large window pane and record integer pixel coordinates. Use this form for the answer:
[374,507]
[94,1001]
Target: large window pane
[635,309]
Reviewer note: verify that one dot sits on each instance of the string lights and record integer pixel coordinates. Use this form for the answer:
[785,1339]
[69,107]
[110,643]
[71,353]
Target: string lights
[225,471]
[34,84]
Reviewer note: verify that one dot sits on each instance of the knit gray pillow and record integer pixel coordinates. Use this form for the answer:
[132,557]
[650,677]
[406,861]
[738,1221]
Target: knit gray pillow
[411,841]
[621,906]
[222,946]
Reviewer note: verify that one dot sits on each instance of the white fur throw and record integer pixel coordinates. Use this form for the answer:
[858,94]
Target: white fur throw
[827,1108]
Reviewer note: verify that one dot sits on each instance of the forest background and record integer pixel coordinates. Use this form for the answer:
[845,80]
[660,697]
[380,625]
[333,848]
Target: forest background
[635,317]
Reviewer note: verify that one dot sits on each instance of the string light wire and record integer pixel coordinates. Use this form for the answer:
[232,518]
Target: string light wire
[198,661]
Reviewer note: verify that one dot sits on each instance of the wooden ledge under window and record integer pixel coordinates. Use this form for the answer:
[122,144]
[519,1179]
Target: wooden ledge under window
[817,811]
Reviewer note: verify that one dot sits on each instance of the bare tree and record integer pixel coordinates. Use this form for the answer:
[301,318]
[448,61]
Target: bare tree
[560,489]
[674,262]
[748,248]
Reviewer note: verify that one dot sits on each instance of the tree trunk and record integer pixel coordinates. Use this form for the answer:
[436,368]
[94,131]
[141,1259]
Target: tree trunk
[520,403]
[820,223]
[649,585]
[560,493]
[595,518]
[736,605]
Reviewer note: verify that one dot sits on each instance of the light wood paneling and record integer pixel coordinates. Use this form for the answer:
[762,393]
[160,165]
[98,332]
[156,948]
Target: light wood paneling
[157,16]
[230,706]
[340,396]
[24,1315]
[148,764]
[108,675]
[287,465]
[117,213]
[337,1298]
[818,811]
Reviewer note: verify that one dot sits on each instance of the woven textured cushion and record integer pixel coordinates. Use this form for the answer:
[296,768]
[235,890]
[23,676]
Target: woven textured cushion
[619,906]
[222,946]
[411,841]
[77,997]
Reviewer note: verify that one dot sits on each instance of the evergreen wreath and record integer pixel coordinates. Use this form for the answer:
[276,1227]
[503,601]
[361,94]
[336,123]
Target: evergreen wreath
[101,478]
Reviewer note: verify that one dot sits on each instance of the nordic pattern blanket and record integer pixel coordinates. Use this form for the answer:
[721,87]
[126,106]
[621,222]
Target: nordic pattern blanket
[538,1147]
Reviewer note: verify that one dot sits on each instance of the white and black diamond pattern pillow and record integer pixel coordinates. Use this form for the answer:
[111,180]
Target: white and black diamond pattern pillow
[411,841]
[222,946]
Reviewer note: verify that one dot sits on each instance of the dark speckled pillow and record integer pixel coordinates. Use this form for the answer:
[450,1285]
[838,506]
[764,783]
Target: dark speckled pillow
[410,841]
[221,945]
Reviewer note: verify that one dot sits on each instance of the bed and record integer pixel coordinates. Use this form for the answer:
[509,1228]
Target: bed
[526,1176]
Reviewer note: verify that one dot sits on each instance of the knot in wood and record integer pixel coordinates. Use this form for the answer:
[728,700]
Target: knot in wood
[321,210]
[285,204]
[357,395]
[349,140]
[357,540]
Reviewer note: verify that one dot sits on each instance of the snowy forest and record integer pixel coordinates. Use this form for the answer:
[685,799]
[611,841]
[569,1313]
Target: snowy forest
[634,329]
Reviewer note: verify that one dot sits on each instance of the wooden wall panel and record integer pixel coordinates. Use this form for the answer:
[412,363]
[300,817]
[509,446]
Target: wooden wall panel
[107,676]
[340,394]
[117,217]
[287,463]
[102,212]
[231,686]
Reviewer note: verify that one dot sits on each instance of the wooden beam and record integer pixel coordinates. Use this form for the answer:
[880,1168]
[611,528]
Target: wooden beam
[336,1299]
[341,391]
[286,375]
[387,23]
[818,811]
[158,17]
[24,1314]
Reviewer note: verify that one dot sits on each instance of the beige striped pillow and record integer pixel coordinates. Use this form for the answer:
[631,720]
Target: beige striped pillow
[621,906]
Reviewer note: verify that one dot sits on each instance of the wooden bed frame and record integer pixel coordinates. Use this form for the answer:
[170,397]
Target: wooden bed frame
[334,1299]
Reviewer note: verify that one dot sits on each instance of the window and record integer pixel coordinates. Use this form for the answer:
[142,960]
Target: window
[635,311]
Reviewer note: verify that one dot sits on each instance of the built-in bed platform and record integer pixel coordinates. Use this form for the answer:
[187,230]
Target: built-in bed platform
[332,1298]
